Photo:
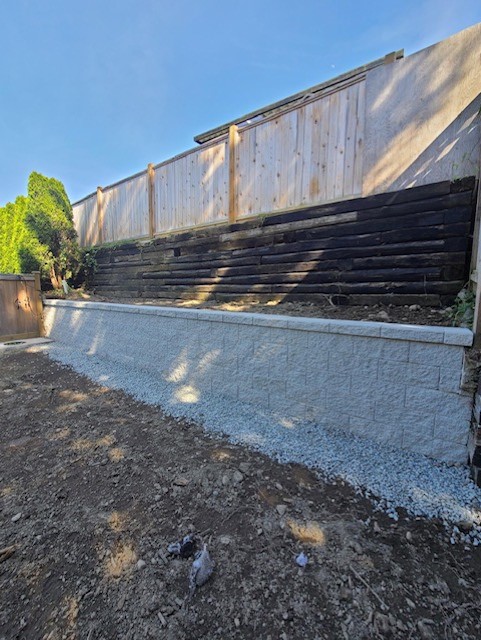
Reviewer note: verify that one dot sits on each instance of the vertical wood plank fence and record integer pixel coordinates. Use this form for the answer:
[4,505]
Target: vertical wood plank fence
[307,154]
[20,306]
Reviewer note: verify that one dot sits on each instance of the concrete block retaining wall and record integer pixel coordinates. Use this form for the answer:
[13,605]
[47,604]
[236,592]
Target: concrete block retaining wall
[398,384]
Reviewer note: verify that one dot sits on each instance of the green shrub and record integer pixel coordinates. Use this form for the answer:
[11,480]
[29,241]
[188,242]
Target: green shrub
[20,251]
[49,218]
[462,310]
[88,266]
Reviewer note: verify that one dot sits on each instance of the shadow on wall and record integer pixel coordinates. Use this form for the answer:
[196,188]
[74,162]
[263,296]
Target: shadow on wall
[182,370]
[458,146]
[422,116]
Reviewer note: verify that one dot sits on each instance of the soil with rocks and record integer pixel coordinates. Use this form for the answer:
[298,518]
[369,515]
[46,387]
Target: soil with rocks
[407,314]
[95,485]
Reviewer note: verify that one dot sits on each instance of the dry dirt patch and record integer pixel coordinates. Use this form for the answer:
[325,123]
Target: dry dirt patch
[94,484]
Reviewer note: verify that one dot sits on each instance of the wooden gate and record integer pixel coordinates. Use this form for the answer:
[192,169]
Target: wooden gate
[20,306]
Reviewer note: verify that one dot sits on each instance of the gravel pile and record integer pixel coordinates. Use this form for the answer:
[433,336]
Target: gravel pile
[390,478]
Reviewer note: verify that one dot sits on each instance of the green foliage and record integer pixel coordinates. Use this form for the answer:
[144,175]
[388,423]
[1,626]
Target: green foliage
[462,311]
[37,232]
[20,251]
[50,220]
[88,265]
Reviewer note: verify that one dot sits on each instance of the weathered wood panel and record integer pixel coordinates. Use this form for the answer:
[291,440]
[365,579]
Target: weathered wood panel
[192,189]
[20,306]
[86,221]
[125,209]
[309,155]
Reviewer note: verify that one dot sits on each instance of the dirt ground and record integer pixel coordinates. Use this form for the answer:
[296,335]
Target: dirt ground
[94,485]
[407,314]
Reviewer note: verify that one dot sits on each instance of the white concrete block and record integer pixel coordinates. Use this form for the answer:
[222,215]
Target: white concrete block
[258,397]
[358,328]
[275,386]
[449,451]
[409,373]
[458,336]
[418,441]
[309,324]
[231,317]
[284,408]
[206,315]
[409,420]
[270,320]
[436,355]
[389,395]
[415,333]
[387,432]
[357,368]
[316,411]
[451,428]
[265,352]
[449,379]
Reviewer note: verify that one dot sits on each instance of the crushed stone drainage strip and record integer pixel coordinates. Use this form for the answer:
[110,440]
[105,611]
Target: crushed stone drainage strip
[391,478]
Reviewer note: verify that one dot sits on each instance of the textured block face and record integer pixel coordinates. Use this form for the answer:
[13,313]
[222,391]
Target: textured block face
[397,385]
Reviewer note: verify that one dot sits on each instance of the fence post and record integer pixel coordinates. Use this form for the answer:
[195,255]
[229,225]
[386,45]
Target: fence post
[100,215]
[476,275]
[38,303]
[151,192]
[233,141]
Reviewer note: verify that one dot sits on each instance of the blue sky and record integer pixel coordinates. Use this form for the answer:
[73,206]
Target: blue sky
[92,91]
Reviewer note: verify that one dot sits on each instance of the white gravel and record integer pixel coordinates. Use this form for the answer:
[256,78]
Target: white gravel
[391,478]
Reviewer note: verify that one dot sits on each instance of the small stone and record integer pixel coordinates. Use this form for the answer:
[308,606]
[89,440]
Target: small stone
[344,594]
[414,307]
[225,540]
[409,536]
[237,622]
[424,631]
[140,565]
[356,547]
[181,481]
[16,517]
[465,526]
[410,603]
[244,467]
[381,623]
[237,477]
[281,509]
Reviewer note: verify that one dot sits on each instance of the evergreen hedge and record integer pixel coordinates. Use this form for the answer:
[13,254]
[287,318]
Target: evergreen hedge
[37,232]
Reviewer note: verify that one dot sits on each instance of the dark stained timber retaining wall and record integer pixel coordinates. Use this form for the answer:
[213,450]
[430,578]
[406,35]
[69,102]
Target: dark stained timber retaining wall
[410,246]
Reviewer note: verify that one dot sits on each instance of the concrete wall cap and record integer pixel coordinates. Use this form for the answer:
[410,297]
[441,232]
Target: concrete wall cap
[414,333]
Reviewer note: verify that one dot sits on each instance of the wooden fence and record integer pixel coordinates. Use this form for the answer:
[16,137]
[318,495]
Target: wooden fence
[307,154]
[20,306]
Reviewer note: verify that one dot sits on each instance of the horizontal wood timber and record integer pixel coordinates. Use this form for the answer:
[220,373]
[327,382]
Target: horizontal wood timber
[414,242]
